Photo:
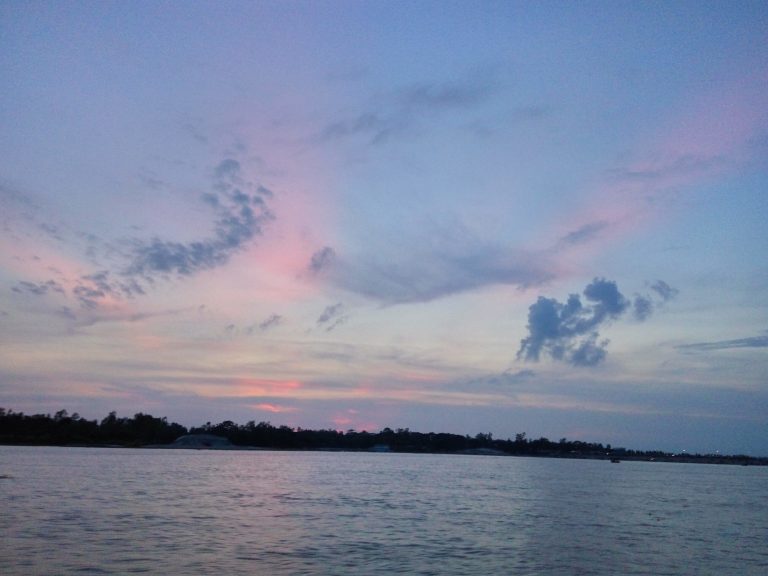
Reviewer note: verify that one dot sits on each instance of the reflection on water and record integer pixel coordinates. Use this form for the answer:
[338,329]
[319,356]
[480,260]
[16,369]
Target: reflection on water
[118,511]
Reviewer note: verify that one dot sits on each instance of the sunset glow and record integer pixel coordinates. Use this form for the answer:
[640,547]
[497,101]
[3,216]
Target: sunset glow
[499,217]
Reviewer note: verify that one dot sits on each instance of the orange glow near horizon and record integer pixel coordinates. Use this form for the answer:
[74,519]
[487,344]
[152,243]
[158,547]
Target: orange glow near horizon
[273,408]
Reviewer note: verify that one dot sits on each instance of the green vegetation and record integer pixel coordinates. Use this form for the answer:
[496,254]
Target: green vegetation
[144,430]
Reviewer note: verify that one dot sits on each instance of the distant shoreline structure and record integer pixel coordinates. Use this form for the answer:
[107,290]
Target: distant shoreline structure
[145,431]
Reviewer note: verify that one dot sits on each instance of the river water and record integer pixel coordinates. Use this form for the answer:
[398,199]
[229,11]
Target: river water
[121,511]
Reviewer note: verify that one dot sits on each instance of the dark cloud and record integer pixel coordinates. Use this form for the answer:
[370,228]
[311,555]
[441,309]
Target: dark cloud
[750,342]
[664,290]
[589,352]
[228,169]
[164,256]
[38,288]
[322,259]
[642,307]
[241,213]
[330,313]
[608,301]
[270,322]
[569,332]
[91,289]
[89,297]
[584,233]
[332,317]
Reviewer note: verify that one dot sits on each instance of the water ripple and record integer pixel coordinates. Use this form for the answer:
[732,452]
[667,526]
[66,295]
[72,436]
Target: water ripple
[110,511]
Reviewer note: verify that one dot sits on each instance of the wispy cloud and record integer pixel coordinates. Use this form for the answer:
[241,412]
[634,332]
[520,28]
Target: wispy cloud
[400,111]
[697,147]
[664,290]
[585,233]
[38,288]
[270,322]
[241,210]
[448,262]
[322,260]
[332,317]
[749,342]
[135,265]
[506,379]
[91,289]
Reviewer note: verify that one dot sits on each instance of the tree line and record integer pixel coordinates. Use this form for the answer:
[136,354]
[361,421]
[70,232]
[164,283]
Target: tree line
[65,429]
[146,430]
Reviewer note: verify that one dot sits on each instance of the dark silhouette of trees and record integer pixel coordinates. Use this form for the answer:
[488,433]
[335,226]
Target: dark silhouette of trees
[143,430]
[62,429]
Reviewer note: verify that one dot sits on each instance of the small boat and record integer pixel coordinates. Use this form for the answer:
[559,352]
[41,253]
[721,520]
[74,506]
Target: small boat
[615,460]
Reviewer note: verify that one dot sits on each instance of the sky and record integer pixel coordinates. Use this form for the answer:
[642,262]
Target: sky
[504,217]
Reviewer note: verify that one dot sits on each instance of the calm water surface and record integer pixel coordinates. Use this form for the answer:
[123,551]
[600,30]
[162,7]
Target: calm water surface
[117,511]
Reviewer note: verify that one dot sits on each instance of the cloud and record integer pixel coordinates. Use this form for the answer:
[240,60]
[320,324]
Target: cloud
[437,269]
[569,332]
[506,378]
[91,289]
[274,408]
[270,322]
[750,342]
[584,233]
[330,312]
[228,170]
[241,212]
[39,288]
[401,110]
[642,307]
[322,259]
[589,352]
[664,290]
[608,301]
[332,317]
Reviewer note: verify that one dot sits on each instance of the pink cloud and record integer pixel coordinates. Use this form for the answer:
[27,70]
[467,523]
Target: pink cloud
[265,387]
[350,419]
[274,408]
[711,138]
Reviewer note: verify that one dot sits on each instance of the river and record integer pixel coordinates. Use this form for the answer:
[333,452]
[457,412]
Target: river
[126,511]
